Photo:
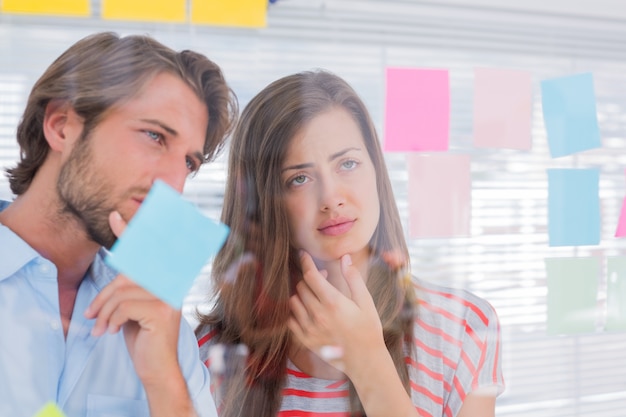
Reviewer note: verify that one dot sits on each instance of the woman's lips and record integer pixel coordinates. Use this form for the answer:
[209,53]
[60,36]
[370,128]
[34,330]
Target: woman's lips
[336,227]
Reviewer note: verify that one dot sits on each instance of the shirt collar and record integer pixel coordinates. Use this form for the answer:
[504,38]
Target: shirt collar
[15,253]
[20,253]
[100,272]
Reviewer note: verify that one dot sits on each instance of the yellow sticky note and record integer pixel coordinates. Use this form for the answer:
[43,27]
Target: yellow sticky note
[243,13]
[145,10]
[72,8]
[50,410]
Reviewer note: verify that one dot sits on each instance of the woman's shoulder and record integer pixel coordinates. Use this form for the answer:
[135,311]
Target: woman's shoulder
[207,338]
[455,305]
[205,334]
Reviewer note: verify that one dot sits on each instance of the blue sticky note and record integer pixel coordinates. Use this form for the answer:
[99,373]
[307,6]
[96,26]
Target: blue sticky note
[573,207]
[166,244]
[569,113]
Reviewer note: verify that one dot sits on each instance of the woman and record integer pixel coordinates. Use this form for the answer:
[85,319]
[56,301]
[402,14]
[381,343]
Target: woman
[313,279]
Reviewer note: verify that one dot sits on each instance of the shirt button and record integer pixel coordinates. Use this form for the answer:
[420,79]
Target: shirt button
[55,325]
[44,268]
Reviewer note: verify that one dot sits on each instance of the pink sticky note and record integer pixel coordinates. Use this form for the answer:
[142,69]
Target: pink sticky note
[621,225]
[439,195]
[417,110]
[502,108]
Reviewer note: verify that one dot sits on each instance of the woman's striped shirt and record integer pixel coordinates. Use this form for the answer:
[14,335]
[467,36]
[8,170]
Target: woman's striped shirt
[457,351]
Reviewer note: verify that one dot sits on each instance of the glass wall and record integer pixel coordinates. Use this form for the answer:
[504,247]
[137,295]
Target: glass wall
[503,258]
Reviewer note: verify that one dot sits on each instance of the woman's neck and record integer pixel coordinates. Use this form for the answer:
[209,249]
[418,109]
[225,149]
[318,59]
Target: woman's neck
[312,365]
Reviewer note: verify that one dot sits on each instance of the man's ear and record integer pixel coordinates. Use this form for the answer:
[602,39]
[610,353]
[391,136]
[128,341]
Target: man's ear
[61,125]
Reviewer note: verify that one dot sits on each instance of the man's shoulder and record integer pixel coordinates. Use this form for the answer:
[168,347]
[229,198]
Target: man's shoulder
[4,204]
[15,253]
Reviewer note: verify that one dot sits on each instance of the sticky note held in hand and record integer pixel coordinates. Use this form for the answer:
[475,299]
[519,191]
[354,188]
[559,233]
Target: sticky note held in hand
[50,410]
[166,244]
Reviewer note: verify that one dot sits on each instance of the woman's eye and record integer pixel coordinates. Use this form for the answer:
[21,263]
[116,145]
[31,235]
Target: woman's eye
[349,164]
[191,164]
[298,180]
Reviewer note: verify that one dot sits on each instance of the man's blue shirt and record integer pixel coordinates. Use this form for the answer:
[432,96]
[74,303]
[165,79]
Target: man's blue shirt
[84,375]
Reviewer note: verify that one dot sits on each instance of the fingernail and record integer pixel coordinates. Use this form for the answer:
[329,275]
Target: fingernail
[347,260]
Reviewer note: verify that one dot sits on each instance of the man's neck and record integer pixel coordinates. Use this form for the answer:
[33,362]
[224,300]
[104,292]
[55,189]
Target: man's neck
[60,238]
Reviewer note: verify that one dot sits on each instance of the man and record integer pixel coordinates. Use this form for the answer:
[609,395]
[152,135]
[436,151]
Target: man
[109,117]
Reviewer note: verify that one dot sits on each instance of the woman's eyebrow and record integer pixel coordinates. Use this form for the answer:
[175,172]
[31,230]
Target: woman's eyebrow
[342,152]
[330,158]
[297,166]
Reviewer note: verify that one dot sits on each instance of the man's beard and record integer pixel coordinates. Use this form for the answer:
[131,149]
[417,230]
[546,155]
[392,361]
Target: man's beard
[85,193]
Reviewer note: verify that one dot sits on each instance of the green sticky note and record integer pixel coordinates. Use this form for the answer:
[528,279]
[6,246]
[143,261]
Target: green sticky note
[50,410]
[616,293]
[572,295]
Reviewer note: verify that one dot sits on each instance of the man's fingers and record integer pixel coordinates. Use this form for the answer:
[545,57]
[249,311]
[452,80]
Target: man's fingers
[117,223]
[117,303]
[140,311]
[97,303]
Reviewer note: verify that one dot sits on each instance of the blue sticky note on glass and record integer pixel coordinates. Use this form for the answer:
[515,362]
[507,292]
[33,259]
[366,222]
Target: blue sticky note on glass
[166,244]
[573,207]
[569,113]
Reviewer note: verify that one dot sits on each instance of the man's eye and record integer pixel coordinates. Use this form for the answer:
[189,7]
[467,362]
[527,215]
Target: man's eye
[154,135]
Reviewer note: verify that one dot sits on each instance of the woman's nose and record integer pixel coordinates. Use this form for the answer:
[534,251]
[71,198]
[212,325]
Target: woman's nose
[332,194]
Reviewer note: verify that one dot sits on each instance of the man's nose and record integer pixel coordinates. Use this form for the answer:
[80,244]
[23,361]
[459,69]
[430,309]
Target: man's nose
[173,171]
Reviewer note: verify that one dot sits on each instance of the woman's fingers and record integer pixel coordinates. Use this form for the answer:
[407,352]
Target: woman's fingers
[299,311]
[316,280]
[360,294]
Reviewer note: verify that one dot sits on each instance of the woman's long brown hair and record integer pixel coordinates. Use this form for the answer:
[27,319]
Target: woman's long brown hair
[256,271]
